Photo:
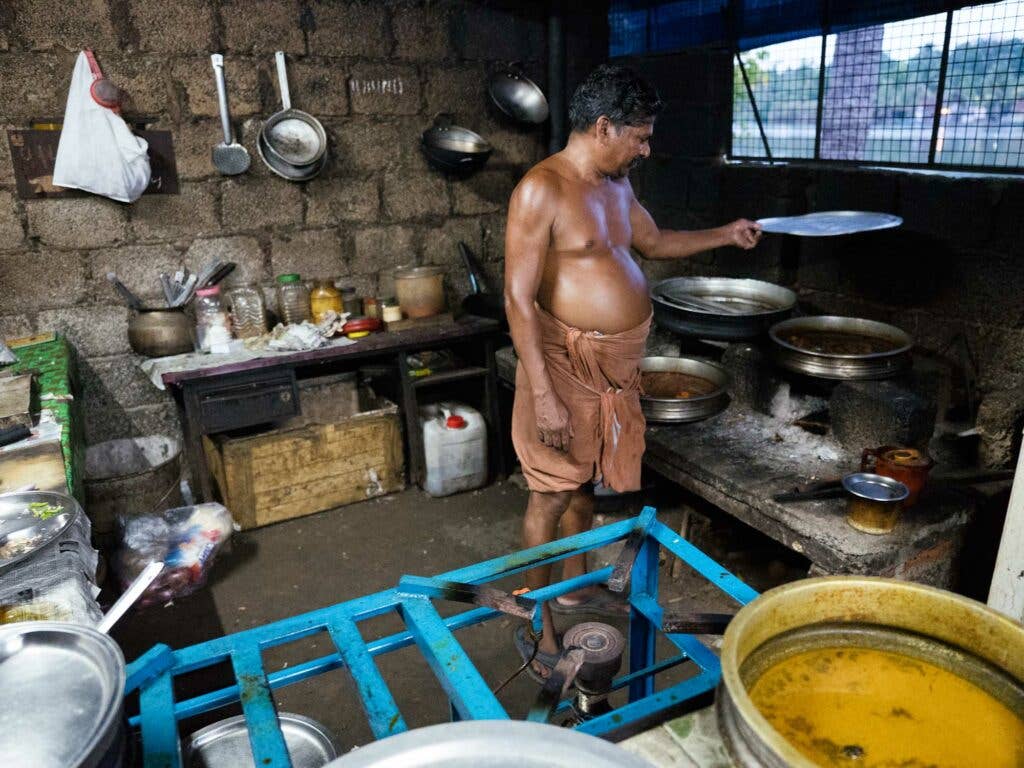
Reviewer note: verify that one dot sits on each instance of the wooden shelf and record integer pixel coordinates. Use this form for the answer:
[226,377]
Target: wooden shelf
[443,377]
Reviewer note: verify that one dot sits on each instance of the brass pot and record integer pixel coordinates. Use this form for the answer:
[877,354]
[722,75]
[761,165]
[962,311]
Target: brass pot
[976,644]
[160,332]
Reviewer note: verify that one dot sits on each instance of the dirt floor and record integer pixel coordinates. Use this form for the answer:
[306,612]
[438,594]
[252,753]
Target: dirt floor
[297,566]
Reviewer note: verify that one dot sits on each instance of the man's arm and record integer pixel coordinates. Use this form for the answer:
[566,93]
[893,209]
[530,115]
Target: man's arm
[654,243]
[527,239]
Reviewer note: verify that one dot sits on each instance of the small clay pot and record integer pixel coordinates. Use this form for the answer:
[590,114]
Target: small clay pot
[908,465]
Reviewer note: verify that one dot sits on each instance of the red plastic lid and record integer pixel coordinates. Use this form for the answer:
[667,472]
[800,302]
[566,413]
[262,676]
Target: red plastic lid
[213,290]
[455,422]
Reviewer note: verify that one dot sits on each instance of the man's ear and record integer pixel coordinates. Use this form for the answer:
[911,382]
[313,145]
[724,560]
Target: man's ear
[604,129]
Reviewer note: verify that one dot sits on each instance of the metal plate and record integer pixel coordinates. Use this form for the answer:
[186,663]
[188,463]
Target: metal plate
[491,744]
[830,223]
[721,308]
[63,686]
[226,744]
[840,366]
[681,410]
[21,533]
[875,487]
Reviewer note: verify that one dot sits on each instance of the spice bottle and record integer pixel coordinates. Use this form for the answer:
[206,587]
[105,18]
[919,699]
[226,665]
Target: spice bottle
[324,298]
[248,312]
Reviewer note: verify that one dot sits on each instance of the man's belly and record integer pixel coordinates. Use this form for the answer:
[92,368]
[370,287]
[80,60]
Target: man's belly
[601,291]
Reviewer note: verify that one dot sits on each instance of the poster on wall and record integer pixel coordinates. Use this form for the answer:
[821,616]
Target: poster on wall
[33,151]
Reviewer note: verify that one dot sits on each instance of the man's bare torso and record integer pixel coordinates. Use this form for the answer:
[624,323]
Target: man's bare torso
[590,280]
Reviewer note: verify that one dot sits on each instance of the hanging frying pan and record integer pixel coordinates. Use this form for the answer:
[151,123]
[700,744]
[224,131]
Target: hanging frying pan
[517,96]
[291,135]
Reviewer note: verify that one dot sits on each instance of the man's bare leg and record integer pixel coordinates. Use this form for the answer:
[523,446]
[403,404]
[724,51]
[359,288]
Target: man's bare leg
[578,518]
[540,526]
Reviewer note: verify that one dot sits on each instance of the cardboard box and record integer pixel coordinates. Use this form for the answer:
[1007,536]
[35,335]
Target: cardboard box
[334,459]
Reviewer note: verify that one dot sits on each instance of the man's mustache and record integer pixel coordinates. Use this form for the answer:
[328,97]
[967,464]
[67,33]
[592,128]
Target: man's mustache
[635,162]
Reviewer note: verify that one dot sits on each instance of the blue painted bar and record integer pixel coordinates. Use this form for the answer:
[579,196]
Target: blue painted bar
[153,662]
[377,701]
[265,737]
[159,730]
[466,688]
[703,564]
[670,697]
[642,633]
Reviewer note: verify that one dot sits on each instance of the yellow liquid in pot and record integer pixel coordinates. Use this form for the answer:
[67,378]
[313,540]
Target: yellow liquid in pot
[866,708]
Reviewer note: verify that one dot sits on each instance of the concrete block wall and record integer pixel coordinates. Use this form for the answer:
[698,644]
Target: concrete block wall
[953,272]
[377,205]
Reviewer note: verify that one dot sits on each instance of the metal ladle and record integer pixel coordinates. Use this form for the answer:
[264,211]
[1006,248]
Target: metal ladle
[229,157]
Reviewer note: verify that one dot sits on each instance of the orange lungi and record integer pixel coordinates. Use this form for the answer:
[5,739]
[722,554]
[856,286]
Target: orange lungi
[597,376]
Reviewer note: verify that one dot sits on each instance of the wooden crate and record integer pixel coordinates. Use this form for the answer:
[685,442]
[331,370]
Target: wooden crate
[298,470]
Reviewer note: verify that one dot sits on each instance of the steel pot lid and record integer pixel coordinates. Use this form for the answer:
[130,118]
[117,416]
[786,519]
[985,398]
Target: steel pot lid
[411,273]
[830,223]
[23,533]
[64,685]
[865,485]
[490,744]
[517,96]
[226,744]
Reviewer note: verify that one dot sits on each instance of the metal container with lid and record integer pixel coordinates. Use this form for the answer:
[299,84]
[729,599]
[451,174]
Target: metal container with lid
[720,308]
[420,290]
[819,346]
[225,744]
[699,405]
[66,688]
[875,501]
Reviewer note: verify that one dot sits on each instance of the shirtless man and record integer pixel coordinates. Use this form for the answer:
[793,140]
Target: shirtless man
[579,312]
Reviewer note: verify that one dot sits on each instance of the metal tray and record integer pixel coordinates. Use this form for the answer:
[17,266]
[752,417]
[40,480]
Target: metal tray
[831,365]
[225,744]
[830,223]
[21,528]
[720,308]
[64,686]
[682,410]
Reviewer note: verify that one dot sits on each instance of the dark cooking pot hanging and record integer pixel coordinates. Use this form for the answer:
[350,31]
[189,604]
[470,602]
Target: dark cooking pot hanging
[454,149]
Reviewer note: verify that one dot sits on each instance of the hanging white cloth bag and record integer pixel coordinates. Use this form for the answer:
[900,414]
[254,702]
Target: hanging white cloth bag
[98,153]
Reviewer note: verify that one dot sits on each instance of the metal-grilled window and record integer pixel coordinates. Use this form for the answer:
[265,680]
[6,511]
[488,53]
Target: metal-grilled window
[944,91]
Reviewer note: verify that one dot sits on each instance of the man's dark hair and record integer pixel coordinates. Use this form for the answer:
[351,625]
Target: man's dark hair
[616,92]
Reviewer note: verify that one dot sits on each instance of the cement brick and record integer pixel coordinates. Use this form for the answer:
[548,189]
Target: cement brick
[28,280]
[421,33]
[336,199]
[193,142]
[113,422]
[458,90]
[117,381]
[515,147]
[414,196]
[363,145]
[349,29]
[243,250]
[250,130]
[866,414]
[195,78]
[12,235]
[384,90]
[486,192]
[166,217]
[312,253]
[253,204]
[493,237]
[485,32]
[173,26]
[998,352]
[319,87]
[441,246]
[261,26]
[14,326]
[999,419]
[46,24]
[378,248]
[94,331]
[35,85]
[80,222]
[6,165]
[146,80]
[137,266]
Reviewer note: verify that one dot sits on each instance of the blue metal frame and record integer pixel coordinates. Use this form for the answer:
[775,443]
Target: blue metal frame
[152,673]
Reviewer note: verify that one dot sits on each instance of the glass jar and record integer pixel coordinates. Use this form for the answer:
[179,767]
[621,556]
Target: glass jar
[292,299]
[213,326]
[390,312]
[248,312]
[324,298]
[371,308]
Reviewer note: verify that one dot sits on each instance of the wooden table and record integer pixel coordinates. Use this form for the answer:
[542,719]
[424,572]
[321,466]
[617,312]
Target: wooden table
[263,390]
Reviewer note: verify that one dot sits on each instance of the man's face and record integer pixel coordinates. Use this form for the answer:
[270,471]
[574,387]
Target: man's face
[628,146]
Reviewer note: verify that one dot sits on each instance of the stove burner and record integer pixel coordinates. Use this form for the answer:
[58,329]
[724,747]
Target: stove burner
[602,646]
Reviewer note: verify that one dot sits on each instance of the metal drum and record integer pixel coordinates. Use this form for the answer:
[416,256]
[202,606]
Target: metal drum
[880,350]
[720,308]
[870,671]
[684,409]
[64,689]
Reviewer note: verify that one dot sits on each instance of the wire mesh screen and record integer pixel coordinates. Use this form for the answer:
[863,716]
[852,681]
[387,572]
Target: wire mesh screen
[784,81]
[944,90]
[982,117]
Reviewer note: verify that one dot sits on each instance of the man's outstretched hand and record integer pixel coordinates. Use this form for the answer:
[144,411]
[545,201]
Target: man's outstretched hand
[743,233]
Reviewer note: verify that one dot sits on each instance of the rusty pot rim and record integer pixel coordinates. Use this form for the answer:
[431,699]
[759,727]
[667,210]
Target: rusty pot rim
[934,613]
